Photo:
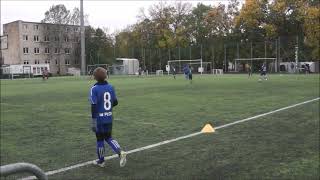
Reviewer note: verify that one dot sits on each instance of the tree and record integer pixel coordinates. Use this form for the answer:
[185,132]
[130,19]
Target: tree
[218,21]
[180,13]
[162,16]
[57,14]
[99,46]
[196,25]
[312,30]
[61,16]
[259,23]
[252,19]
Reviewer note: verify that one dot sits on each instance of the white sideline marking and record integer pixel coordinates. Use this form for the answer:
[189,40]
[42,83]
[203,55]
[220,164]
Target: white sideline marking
[171,140]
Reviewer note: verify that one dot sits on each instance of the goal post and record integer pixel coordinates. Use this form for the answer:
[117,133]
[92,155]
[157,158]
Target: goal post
[92,67]
[159,72]
[198,65]
[270,62]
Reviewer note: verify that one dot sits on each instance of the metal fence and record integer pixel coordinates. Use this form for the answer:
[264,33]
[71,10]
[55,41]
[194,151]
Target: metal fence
[219,52]
[10,169]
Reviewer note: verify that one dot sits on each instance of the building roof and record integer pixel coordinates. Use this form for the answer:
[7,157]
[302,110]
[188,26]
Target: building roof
[41,23]
[126,59]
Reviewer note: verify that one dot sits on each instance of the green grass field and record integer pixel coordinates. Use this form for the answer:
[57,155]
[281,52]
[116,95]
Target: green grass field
[47,123]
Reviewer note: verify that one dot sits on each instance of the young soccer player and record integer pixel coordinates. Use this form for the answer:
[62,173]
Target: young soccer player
[103,98]
[186,71]
[249,71]
[174,72]
[45,74]
[190,74]
[263,74]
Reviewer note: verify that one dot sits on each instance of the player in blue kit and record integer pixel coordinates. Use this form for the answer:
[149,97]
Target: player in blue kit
[263,72]
[103,98]
[186,71]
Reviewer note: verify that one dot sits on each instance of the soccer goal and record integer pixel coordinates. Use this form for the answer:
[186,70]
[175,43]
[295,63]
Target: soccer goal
[243,64]
[91,68]
[217,71]
[197,66]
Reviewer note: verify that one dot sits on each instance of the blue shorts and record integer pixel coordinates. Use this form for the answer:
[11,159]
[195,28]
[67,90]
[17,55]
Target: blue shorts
[104,131]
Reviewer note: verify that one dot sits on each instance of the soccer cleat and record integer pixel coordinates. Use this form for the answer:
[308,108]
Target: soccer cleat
[123,158]
[99,163]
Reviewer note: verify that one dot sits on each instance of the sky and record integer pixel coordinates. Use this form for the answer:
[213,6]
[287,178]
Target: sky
[115,15]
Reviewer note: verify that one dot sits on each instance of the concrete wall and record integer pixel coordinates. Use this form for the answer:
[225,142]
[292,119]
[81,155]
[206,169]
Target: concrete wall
[11,55]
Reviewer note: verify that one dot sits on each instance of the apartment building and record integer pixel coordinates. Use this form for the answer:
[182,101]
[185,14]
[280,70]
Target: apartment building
[41,43]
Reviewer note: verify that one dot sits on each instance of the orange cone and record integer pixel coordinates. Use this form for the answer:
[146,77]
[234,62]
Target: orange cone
[207,129]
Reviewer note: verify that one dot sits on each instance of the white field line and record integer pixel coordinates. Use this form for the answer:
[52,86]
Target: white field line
[171,140]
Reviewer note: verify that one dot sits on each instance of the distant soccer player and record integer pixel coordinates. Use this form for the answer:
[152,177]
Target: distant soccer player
[45,74]
[174,72]
[186,71]
[249,71]
[103,99]
[263,72]
[190,74]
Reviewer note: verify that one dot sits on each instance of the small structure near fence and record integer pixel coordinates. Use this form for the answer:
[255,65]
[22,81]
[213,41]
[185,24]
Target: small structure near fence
[23,70]
[217,71]
[292,67]
[126,66]
[73,71]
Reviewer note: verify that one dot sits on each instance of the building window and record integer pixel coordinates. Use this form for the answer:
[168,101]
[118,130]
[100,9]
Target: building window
[67,50]
[36,38]
[47,61]
[46,38]
[36,27]
[76,29]
[66,39]
[76,39]
[36,50]
[36,62]
[46,50]
[77,51]
[25,27]
[56,38]
[56,61]
[56,50]
[67,29]
[25,62]
[25,37]
[67,62]
[25,50]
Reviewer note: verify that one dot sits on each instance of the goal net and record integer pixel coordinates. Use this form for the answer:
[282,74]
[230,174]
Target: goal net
[244,64]
[91,68]
[197,66]
[117,69]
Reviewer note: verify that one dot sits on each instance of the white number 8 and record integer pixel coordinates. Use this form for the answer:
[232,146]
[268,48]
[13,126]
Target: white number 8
[107,102]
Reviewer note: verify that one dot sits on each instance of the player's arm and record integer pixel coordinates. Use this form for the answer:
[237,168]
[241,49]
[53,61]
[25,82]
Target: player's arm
[115,103]
[115,99]
[94,112]
[94,109]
